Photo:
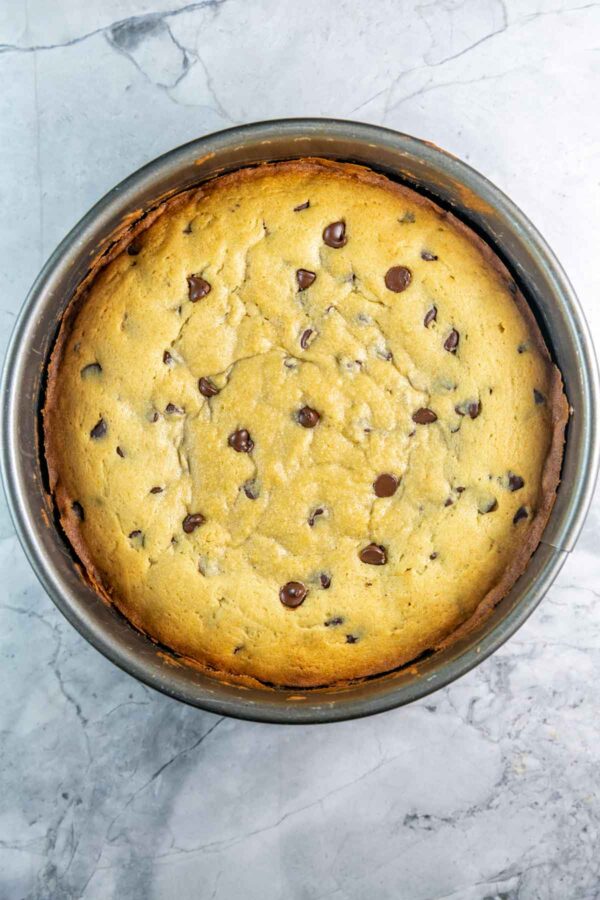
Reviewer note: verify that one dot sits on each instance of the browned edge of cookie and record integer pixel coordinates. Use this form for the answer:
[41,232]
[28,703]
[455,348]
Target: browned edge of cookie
[138,222]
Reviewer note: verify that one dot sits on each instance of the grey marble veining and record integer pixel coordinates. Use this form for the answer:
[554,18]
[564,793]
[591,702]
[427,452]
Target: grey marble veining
[489,788]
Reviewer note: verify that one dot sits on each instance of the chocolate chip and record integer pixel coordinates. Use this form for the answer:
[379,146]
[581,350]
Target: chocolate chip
[155,417]
[325,581]
[293,594]
[301,206]
[188,228]
[134,247]
[172,409]
[192,521]
[433,556]
[427,256]
[305,339]
[308,417]
[521,513]
[515,482]
[459,489]
[207,388]
[251,489]
[336,620]
[373,555]
[334,235]
[351,639]
[314,514]
[538,397]
[430,316]
[91,370]
[397,279]
[424,416]
[134,534]
[451,342]
[304,278]
[99,429]
[167,358]
[78,510]
[156,490]
[120,453]
[522,348]
[385,485]
[197,287]
[449,502]
[488,506]
[241,441]
[474,409]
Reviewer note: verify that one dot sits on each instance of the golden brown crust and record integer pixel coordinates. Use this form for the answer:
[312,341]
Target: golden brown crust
[55,450]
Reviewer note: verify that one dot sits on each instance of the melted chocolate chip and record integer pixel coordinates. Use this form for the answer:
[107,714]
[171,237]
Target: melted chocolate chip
[451,342]
[293,594]
[325,580]
[301,206]
[430,316]
[428,256]
[334,235]
[134,534]
[241,441]
[305,339]
[251,489]
[134,247]
[424,416]
[488,506]
[171,409]
[351,639]
[433,556]
[305,278]
[167,358]
[78,510]
[99,429]
[385,485]
[314,514]
[207,388]
[515,482]
[197,287]
[459,489]
[91,370]
[308,417]
[472,409]
[156,490]
[521,513]
[397,279]
[336,620]
[120,453]
[373,555]
[449,502]
[538,397]
[192,521]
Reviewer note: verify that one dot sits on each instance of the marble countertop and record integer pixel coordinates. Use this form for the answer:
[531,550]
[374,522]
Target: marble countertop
[490,788]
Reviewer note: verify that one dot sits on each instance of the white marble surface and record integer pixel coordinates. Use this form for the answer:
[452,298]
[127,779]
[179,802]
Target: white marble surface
[488,790]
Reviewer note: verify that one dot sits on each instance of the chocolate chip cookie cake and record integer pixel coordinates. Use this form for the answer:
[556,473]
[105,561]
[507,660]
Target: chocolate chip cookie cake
[301,426]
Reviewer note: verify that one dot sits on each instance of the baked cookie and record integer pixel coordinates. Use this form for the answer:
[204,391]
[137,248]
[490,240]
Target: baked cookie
[304,426]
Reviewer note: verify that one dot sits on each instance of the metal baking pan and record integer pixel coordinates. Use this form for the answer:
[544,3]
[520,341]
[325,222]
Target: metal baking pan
[453,185]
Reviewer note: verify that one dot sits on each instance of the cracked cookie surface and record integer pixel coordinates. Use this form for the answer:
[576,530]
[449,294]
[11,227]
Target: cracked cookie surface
[304,427]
